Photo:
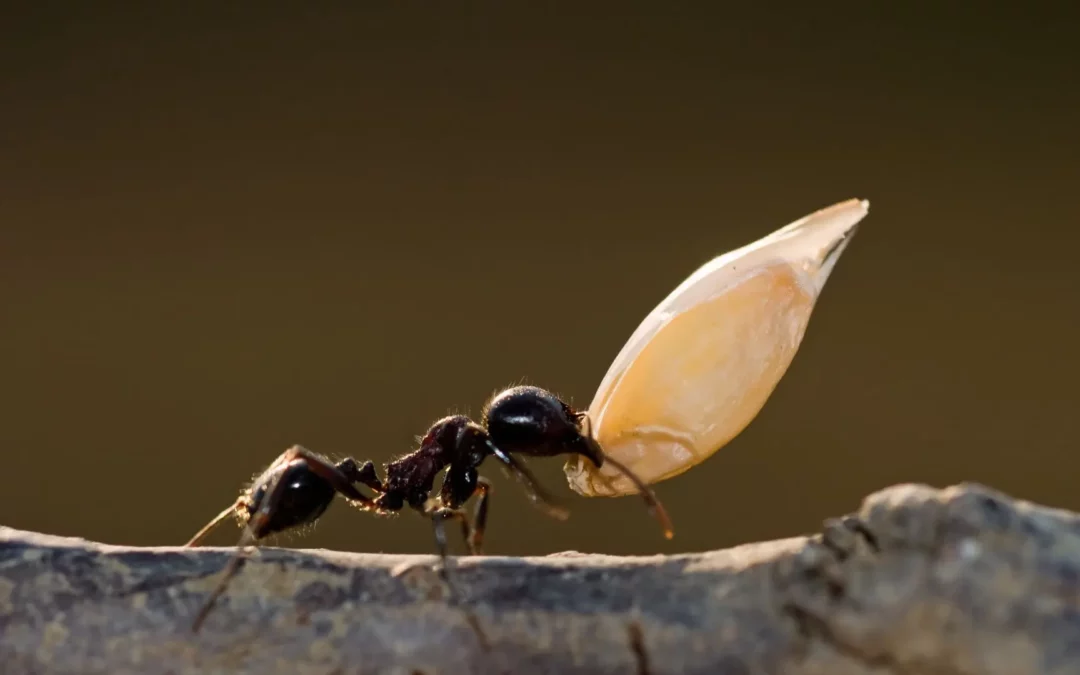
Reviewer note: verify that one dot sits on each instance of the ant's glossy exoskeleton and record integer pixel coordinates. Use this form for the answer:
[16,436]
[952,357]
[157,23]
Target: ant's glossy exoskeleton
[299,486]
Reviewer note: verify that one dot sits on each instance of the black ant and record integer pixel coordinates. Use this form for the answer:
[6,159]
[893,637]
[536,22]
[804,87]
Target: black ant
[299,486]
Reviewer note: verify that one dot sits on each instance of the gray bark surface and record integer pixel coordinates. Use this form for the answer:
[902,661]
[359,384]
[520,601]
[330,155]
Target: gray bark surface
[961,580]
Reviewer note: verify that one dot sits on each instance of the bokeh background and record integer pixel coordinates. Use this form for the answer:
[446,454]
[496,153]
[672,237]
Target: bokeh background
[224,232]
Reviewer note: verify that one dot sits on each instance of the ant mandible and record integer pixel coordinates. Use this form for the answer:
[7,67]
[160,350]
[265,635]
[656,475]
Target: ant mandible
[300,485]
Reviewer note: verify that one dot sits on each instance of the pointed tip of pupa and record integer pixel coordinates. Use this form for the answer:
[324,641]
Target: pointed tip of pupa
[817,240]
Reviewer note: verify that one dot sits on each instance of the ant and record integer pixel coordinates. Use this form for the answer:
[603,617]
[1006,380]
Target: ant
[299,486]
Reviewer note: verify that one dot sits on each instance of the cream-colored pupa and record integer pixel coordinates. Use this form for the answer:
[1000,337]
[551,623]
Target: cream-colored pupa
[702,364]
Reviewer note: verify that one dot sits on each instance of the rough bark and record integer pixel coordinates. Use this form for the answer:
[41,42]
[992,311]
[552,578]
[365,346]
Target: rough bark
[961,580]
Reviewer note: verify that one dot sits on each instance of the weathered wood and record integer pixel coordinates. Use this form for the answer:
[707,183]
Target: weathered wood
[962,580]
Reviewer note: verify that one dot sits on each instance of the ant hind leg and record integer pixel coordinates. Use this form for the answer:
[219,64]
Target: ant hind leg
[476,537]
[250,535]
[214,524]
[331,473]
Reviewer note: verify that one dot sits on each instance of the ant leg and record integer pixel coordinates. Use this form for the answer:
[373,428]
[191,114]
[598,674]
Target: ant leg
[251,534]
[213,524]
[363,473]
[440,514]
[472,533]
[651,501]
[476,538]
[235,563]
[440,537]
[536,494]
[294,456]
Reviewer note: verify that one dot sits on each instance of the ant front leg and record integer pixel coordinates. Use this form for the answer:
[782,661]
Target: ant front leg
[536,494]
[461,483]
[473,533]
[441,514]
[438,515]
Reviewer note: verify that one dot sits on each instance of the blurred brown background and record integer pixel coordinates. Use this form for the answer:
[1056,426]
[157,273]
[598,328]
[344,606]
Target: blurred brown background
[226,232]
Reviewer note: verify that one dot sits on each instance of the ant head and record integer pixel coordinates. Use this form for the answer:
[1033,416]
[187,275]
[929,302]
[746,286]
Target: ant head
[533,421]
[304,496]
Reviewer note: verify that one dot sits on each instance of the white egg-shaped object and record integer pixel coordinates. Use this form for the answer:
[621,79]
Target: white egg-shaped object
[702,364]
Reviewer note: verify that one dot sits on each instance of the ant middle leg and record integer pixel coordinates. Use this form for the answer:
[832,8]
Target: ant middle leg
[475,538]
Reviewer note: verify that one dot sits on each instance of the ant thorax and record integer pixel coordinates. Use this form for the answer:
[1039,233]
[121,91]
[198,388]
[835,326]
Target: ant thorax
[450,440]
[414,472]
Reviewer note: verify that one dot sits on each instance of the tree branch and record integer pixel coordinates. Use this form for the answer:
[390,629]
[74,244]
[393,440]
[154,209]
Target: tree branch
[962,580]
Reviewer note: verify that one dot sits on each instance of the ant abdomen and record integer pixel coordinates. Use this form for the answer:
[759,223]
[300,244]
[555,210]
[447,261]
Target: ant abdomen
[305,496]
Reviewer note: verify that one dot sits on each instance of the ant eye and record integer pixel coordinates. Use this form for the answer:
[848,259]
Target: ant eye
[703,363]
